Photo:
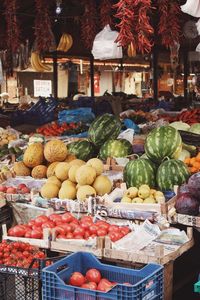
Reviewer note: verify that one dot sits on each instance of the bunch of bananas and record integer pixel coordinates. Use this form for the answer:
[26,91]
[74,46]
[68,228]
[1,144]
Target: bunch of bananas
[131,51]
[37,64]
[65,43]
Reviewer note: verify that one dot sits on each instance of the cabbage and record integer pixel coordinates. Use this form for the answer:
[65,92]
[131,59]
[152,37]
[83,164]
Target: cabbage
[195,128]
[180,126]
[183,155]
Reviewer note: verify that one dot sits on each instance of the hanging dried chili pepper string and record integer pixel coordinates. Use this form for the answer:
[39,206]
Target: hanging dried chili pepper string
[44,39]
[126,14]
[105,13]
[12,25]
[89,24]
[169,25]
[144,29]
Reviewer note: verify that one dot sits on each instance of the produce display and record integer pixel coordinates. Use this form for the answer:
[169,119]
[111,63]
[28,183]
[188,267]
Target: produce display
[82,149]
[56,129]
[6,136]
[21,255]
[187,116]
[193,163]
[20,189]
[66,226]
[115,148]
[143,194]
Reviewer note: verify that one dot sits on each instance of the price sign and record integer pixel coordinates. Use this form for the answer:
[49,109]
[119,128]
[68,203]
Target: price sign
[42,88]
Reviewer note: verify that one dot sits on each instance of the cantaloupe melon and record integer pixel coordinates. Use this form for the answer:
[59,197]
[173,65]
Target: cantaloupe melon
[55,150]
[21,169]
[39,172]
[85,191]
[102,185]
[77,162]
[49,190]
[51,169]
[72,173]
[61,170]
[67,183]
[70,157]
[54,180]
[85,175]
[34,155]
[67,192]
[96,164]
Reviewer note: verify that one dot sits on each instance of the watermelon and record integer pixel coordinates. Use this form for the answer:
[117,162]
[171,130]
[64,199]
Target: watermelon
[138,172]
[115,148]
[163,142]
[104,127]
[171,172]
[82,150]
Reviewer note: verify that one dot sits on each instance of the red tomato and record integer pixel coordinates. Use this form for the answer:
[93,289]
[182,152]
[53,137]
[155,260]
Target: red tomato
[28,234]
[69,235]
[59,230]
[93,275]
[55,217]
[79,231]
[78,237]
[113,228]
[41,220]
[74,225]
[101,232]
[86,235]
[93,228]
[48,224]
[66,227]
[77,279]
[31,223]
[86,219]
[36,234]
[61,236]
[86,225]
[125,230]
[26,254]
[90,286]
[115,236]
[104,285]
[11,232]
[93,235]
[67,217]
[18,231]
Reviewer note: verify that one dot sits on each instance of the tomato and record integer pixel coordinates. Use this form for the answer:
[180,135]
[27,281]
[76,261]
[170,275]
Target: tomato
[31,223]
[125,230]
[86,219]
[66,227]
[89,285]
[61,236]
[93,235]
[59,230]
[28,234]
[11,232]
[113,228]
[69,235]
[74,225]
[104,285]
[86,235]
[18,231]
[67,217]
[55,217]
[101,232]
[93,229]
[48,224]
[78,237]
[36,234]
[93,275]
[79,231]
[41,220]
[77,279]
[86,225]
[115,236]
[26,254]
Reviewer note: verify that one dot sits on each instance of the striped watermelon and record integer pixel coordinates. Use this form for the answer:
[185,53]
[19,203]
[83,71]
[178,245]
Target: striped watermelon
[163,142]
[82,150]
[103,128]
[171,172]
[115,148]
[138,172]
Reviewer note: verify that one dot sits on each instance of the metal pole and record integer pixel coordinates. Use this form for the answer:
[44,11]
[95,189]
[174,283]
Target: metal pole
[186,72]
[55,74]
[92,75]
[155,73]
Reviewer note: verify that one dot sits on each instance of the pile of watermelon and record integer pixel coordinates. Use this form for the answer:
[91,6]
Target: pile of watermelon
[160,166]
[102,140]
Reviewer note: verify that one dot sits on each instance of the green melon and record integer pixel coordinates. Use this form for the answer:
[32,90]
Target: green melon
[138,172]
[170,173]
[115,148]
[83,150]
[104,127]
[163,142]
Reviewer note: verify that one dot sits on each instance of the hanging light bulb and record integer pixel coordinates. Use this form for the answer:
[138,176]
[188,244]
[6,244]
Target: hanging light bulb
[58,7]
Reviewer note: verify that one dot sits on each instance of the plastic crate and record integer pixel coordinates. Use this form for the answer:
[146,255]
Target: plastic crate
[146,284]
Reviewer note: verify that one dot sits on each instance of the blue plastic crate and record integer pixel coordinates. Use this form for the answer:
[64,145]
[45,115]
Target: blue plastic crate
[146,284]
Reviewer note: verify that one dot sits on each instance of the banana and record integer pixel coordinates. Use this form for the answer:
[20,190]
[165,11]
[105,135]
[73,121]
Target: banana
[131,50]
[65,42]
[61,43]
[37,64]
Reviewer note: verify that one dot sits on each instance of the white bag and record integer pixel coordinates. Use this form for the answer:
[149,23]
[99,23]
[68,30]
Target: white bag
[192,7]
[198,26]
[104,46]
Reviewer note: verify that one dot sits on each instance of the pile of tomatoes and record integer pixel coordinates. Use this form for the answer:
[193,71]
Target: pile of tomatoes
[55,129]
[18,254]
[66,226]
[92,280]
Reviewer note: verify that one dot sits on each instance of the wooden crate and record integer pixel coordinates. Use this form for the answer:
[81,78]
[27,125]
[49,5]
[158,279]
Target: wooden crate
[146,256]
[41,243]
[64,246]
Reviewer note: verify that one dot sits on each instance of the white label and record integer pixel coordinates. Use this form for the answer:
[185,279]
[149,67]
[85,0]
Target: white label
[42,88]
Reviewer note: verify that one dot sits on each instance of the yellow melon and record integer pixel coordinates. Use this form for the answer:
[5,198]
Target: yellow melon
[77,162]
[96,164]
[85,175]
[21,169]
[54,180]
[67,183]
[39,172]
[70,157]
[85,191]
[72,173]
[102,185]
[51,169]
[55,150]
[67,192]
[49,190]
[61,170]
[34,155]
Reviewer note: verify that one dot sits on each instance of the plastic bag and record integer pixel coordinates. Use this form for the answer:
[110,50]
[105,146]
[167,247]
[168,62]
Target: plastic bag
[83,114]
[104,46]
[192,7]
